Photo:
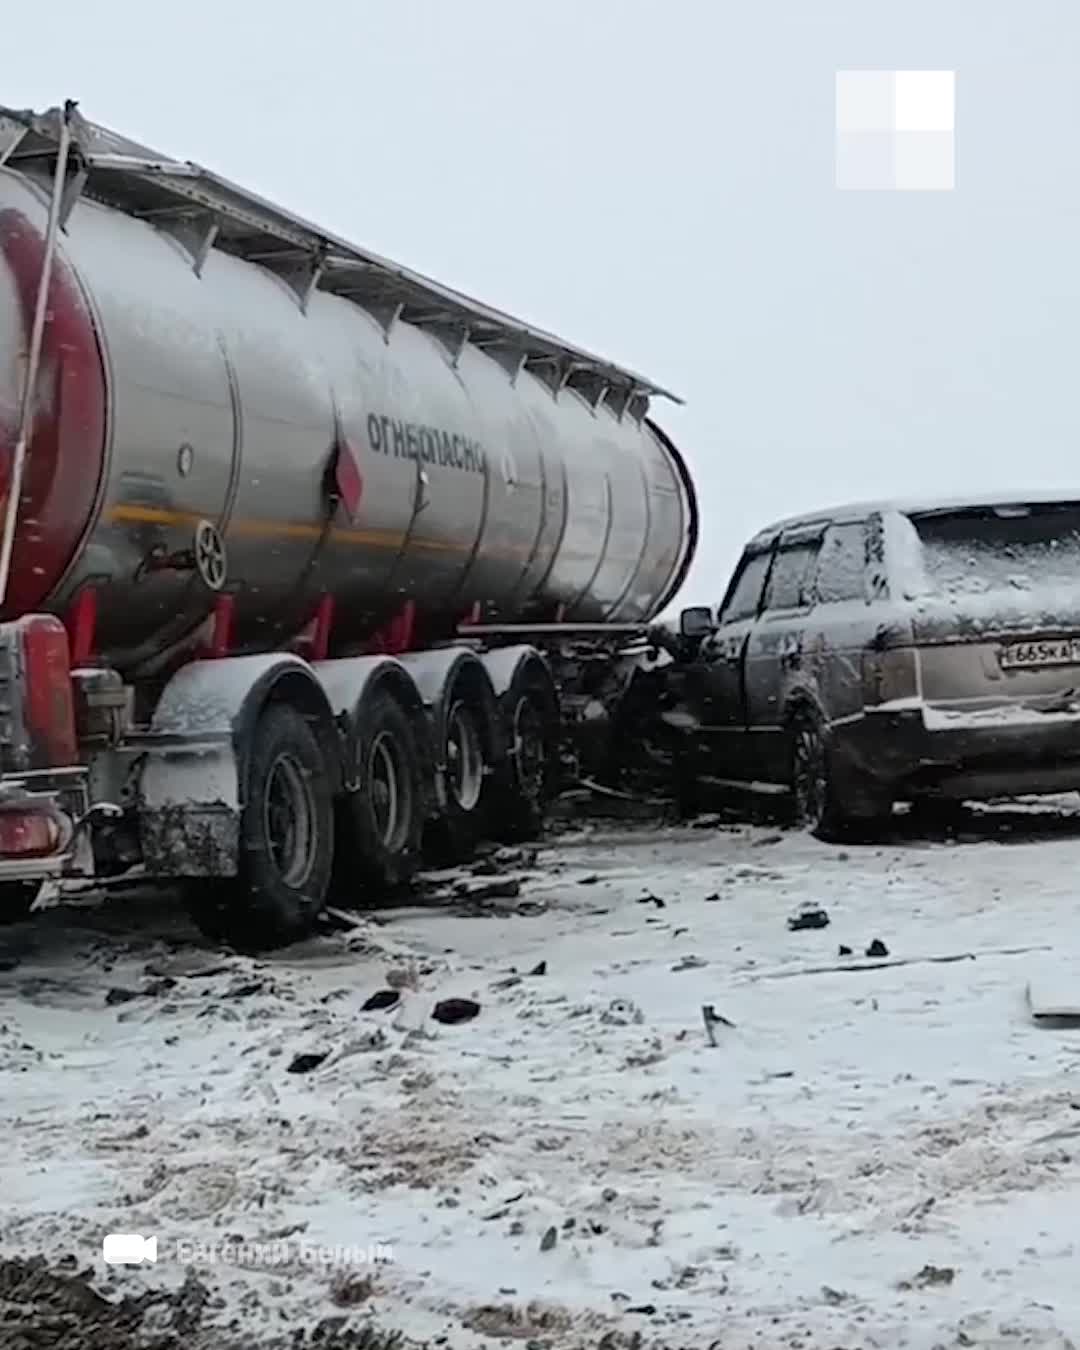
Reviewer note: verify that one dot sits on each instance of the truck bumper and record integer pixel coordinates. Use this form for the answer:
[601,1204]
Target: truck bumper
[920,749]
[40,838]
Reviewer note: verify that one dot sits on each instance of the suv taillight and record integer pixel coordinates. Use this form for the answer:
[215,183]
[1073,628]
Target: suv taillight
[38,724]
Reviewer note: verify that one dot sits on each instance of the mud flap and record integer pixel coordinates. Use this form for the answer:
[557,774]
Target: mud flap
[189,810]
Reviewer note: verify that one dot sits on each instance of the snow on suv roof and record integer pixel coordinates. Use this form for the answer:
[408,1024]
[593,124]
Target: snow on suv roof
[917,506]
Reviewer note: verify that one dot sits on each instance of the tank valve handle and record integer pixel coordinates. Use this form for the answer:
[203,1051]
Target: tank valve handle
[210,558]
[206,556]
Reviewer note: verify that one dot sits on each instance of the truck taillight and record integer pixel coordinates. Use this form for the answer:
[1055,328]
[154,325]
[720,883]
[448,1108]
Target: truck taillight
[29,834]
[890,675]
[48,703]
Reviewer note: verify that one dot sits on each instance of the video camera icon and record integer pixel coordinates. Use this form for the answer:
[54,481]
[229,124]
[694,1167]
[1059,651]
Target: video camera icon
[128,1249]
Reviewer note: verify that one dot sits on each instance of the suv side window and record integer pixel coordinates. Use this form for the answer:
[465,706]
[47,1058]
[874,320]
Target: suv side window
[842,565]
[744,598]
[789,584]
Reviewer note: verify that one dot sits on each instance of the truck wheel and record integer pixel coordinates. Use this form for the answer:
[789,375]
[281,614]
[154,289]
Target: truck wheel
[286,842]
[456,833]
[384,817]
[519,793]
[17,900]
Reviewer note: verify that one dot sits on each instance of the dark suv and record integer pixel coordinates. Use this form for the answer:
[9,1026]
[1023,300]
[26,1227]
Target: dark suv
[904,651]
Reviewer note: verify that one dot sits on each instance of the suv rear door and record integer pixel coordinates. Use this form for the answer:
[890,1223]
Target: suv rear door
[843,623]
[774,654]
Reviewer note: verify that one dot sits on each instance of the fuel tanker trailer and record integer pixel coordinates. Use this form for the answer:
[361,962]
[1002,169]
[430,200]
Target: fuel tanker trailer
[300,550]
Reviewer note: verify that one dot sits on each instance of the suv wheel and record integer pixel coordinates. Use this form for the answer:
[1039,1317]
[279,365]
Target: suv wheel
[818,804]
[810,787]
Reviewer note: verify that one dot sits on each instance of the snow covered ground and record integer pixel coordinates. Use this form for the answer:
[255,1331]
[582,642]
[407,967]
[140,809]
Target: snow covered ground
[878,1157]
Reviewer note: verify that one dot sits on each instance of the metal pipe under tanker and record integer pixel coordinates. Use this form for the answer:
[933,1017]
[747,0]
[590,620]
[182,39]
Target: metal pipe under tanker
[336,455]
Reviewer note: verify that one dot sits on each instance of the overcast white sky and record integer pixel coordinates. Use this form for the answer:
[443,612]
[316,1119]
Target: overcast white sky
[656,181]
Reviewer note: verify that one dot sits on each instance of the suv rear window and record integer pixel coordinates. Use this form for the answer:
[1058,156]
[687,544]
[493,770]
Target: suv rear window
[1013,548]
[788,588]
[842,563]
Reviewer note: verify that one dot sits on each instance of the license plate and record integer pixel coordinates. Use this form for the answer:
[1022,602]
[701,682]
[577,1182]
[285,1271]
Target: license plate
[1054,652]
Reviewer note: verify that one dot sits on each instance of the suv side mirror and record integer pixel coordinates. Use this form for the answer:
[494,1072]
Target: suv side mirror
[695,622]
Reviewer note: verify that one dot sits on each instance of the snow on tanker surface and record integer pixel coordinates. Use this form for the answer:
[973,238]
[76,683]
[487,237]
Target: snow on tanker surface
[309,564]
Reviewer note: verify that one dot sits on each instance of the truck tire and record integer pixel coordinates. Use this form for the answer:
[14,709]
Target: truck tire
[286,842]
[383,819]
[17,900]
[453,837]
[519,792]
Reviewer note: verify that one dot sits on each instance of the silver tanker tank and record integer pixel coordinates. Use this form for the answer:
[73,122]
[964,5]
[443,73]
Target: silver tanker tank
[341,445]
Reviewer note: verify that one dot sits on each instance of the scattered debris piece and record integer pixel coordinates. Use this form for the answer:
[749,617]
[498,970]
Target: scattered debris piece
[381,999]
[845,950]
[334,920]
[877,948]
[711,899]
[787,973]
[350,1288]
[590,880]
[930,1277]
[549,1239]
[649,1054]
[644,1309]
[117,995]
[454,1010]
[712,1020]
[917,1214]
[503,1208]
[768,839]
[287,1230]
[507,982]
[305,1063]
[190,965]
[1053,996]
[517,857]
[653,900]
[506,888]
[241,989]
[690,963]
[834,1296]
[808,918]
[620,1012]
[539,969]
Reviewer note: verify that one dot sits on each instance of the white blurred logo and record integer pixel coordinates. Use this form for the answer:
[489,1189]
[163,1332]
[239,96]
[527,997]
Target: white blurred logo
[896,129]
[128,1249]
